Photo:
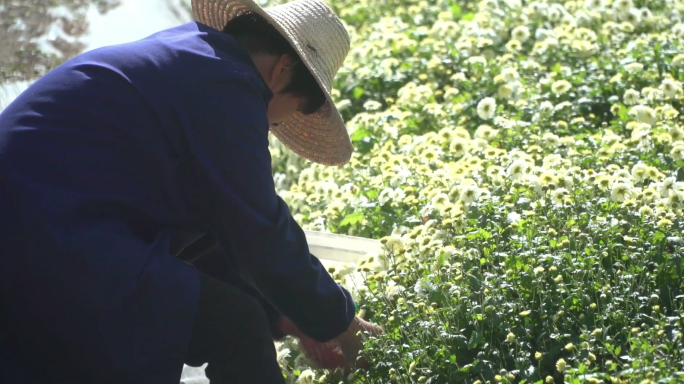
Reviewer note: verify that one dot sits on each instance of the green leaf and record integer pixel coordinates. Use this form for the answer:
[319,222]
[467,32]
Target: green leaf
[468,16]
[657,237]
[456,11]
[358,92]
[485,235]
[360,134]
[352,218]
[623,113]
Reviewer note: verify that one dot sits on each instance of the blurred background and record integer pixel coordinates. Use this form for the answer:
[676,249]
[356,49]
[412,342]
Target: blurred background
[37,35]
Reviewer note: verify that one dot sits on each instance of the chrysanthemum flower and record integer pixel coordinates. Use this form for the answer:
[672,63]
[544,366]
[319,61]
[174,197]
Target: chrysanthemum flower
[620,191]
[486,108]
[631,97]
[561,87]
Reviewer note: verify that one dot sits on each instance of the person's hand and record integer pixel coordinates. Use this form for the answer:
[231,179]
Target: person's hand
[324,355]
[351,342]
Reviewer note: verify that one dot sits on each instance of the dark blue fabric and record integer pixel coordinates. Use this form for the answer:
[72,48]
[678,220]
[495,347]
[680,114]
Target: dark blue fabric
[109,165]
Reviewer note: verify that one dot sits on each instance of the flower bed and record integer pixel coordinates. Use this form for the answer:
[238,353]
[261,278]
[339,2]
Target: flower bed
[521,163]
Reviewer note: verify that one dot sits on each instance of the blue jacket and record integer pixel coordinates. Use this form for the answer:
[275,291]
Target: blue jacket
[109,165]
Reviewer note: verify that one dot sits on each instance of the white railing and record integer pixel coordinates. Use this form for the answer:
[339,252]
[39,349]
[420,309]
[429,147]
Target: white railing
[340,248]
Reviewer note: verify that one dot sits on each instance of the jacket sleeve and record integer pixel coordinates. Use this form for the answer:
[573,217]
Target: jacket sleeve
[227,136]
[215,264]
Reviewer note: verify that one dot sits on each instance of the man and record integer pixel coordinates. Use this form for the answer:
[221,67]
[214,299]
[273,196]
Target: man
[115,161]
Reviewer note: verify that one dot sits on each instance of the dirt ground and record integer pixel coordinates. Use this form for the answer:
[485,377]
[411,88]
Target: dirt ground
[23,22]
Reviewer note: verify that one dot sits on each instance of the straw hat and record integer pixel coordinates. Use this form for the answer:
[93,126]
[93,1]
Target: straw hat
[322,42]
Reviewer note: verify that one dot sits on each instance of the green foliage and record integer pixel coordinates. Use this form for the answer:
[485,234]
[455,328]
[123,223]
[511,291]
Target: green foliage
[522,163]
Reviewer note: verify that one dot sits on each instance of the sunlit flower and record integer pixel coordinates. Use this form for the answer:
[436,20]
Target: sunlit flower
[551,140]
[631,97]
[486,108]
[639,172]
[393,289]
[558,196]
[521,33]
[439,200]
[510,338]
[620,191]
[306,377]
[631,67]
[670,88]
[458,147]
[546,107]
[283,354]
[677,152]
[518,169]
[560,87]
[470,194]
[643,114]
[385,196]
[560,365]
[667,186]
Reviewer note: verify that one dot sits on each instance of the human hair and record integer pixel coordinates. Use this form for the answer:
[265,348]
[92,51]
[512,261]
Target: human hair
[259,36]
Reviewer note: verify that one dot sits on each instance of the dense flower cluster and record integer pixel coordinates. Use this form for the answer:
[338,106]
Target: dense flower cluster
[521,164]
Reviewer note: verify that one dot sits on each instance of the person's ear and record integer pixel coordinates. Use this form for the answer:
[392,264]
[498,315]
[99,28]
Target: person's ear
[282,71]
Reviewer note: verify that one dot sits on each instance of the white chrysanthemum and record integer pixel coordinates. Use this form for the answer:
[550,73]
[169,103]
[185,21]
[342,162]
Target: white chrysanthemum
[620,191]
[646,14]
[631,97]
[470,194]
[385,196]
[623,6]
[513,217]
[670,88]
[347,269]
[560,87]
[634,67]
[552,160]
[622,175]
[439,200]
[521,33]
[510,75]
[394,244]
[646,211]
[518,169]
[677,152]
[546,107]
[424,288]
[486,132]
[283,354]
[667,186]
[393,289]
[459,147]
[558,195]
[643,114]
[372,105]
[306,377]
[486,108]
[633,16]
[399,194]
[594,5]
[565,181]
[639,172]
[551,140]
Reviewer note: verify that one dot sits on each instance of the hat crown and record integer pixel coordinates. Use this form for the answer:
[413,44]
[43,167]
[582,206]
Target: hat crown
[322,42]
[317,33]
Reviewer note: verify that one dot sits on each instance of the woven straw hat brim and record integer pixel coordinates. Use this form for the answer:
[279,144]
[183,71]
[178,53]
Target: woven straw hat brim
[322,42]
